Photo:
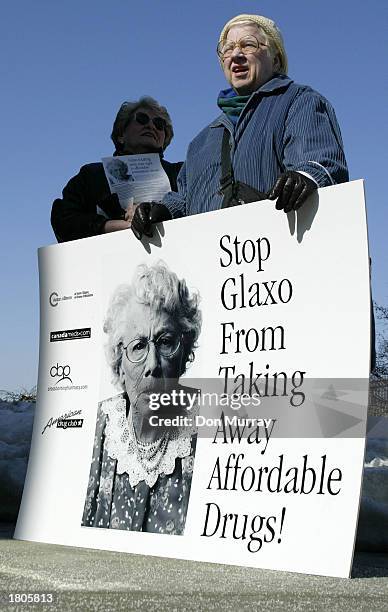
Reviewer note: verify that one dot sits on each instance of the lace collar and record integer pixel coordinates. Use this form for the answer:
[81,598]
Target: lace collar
[139,460]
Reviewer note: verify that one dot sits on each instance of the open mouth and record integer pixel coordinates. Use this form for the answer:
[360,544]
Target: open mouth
[240,70]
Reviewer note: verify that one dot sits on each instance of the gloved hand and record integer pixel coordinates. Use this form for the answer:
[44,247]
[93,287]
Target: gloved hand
[145,215]
[291,190]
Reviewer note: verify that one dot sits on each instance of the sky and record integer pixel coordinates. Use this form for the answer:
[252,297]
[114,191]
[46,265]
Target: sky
[67,66]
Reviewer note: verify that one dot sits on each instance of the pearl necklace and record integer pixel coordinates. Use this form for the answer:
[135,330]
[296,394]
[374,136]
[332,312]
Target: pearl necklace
[149,454]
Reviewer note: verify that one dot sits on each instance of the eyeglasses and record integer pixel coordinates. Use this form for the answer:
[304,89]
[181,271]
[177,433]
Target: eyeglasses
[166,346]
[248,44]
[144,119]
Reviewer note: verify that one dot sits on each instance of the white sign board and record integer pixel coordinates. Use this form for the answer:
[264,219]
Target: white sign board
[285,306]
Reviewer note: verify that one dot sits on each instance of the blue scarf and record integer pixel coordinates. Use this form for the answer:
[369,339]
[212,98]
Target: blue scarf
[231,104]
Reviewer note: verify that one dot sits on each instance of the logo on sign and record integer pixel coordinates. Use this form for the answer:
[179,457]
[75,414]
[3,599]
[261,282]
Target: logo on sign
[54,299]
[70,334]
[62,372]
[69,423]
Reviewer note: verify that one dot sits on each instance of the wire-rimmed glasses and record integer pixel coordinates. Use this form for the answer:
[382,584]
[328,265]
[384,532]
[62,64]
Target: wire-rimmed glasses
[247,44]
[166,346]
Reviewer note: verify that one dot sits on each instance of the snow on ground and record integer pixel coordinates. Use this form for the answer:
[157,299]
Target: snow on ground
[15,436]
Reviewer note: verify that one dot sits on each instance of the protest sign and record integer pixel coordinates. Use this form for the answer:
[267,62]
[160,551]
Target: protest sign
[275,310]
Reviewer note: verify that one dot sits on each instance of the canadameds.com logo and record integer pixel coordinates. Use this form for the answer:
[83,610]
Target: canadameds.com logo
[70,334]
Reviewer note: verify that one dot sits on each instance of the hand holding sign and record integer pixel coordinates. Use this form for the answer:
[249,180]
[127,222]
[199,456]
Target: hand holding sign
[146,214]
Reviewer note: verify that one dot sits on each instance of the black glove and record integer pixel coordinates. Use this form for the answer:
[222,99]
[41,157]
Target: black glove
[145,215]
[291,190]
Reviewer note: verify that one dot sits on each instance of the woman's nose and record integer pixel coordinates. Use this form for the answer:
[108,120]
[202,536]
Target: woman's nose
[152,364]
[237,51]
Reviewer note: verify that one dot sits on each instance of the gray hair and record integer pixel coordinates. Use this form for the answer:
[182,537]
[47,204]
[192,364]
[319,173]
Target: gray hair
[155,286]
[127,111]
[272,33]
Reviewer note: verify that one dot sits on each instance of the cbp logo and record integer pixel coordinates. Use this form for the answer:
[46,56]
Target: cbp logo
[62,372]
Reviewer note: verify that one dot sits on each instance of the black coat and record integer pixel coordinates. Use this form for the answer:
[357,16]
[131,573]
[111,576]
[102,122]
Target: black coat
[74,215]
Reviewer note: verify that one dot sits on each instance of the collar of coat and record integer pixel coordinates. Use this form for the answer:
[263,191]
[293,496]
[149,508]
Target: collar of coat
[281,81]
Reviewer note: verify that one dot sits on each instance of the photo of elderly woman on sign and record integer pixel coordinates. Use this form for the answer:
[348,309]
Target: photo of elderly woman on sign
[140,475]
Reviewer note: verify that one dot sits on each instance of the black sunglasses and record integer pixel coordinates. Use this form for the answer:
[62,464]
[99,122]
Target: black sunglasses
[144,119]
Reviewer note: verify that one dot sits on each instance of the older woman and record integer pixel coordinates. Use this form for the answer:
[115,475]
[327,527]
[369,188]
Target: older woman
[140,475]
[275,138]
[142,126]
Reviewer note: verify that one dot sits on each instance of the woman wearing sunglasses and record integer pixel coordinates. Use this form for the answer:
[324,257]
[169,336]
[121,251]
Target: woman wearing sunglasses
[142,126]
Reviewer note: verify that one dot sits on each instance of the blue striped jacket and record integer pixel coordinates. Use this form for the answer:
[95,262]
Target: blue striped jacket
[284,126]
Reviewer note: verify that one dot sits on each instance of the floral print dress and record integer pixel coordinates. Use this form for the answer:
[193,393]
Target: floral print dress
[121,494]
